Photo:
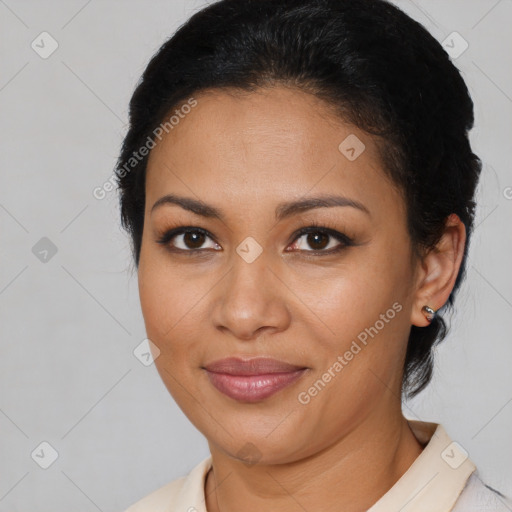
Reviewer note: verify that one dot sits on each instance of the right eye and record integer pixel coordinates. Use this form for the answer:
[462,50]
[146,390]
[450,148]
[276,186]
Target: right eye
[187,239]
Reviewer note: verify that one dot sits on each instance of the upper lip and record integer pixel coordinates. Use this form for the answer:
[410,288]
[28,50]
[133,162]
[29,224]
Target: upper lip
[253,366]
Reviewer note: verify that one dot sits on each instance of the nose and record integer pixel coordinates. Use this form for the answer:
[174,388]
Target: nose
[250,300]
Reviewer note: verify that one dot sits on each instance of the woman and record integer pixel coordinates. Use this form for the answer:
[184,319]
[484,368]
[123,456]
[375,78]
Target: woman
[299,189]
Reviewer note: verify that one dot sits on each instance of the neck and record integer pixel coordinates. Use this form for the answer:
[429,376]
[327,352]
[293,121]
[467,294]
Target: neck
[350,475]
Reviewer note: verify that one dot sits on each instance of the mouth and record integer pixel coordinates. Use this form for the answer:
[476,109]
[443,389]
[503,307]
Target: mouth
[252,380]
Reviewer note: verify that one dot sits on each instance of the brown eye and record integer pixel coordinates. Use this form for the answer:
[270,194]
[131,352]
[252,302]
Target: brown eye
[317,240]
[193,239]
[187,239]
[321,240]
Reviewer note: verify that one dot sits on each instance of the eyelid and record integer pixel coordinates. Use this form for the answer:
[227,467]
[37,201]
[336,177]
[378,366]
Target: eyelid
[322,229]
[172,233]
[312,227]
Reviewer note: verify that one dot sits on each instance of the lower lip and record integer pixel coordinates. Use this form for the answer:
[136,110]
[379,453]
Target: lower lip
[253,388]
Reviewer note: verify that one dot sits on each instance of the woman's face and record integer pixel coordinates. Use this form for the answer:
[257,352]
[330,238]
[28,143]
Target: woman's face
[249,285]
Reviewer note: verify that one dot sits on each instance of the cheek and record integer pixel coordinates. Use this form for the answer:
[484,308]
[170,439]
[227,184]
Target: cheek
[163,294]
[154,298]
[172,304]
[353,298]
[165,308]
[366,308]
[162,299]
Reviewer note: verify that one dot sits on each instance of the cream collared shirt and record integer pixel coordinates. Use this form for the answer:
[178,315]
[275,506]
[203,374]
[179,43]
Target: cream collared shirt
[441,479]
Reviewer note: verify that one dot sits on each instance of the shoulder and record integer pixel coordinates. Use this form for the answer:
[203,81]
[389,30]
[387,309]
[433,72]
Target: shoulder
[159,500]
[477,496]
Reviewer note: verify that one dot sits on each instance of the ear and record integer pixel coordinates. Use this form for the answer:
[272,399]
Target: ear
[438,270]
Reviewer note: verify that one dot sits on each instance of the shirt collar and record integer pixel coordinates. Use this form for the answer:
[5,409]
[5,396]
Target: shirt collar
[434,480]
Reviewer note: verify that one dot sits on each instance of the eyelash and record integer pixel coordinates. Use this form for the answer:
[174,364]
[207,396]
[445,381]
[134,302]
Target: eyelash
[345,240]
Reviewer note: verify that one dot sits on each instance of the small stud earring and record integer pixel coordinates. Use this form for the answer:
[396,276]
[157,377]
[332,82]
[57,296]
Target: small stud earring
[428,312]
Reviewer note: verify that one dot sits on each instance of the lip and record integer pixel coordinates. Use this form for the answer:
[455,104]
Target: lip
[252,366]
[252,380]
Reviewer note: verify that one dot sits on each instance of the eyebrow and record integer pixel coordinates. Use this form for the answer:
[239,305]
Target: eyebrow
[283,210]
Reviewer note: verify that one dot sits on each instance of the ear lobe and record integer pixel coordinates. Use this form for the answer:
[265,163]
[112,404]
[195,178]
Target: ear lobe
[439,270]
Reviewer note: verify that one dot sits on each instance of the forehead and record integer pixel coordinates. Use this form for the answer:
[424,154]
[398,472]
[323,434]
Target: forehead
[271,144]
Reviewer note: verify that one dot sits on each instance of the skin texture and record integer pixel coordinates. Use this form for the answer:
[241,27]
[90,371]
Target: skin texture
[244,154]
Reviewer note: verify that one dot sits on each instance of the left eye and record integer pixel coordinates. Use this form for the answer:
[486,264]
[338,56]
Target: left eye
[318,240]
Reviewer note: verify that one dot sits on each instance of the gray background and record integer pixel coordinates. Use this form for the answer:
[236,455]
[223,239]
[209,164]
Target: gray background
[69,325]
